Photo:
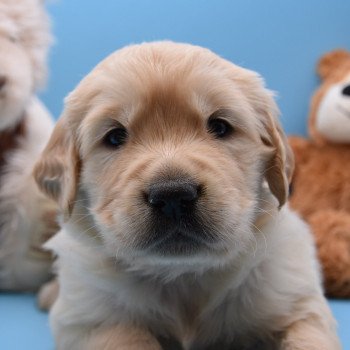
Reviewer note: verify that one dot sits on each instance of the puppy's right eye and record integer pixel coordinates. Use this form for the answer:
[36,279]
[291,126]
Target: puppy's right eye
[219,127]
[13,38]
[115,137]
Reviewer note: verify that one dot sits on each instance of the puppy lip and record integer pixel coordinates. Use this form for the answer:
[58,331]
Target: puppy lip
[176,243]
[177,240]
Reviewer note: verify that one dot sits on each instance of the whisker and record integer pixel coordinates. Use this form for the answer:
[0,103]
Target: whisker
[271,167]
[94,197]
[263,235]
[268,212]
[83,216]
[264,200]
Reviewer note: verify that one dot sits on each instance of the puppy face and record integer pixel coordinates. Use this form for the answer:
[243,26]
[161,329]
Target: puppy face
[169,146]
[15,82]
[24,40]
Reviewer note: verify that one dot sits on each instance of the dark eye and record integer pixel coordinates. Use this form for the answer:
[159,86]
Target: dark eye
[115,137]
[219,127]
[13,38]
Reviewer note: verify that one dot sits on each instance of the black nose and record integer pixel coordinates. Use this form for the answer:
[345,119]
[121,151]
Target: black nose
[2,81]
[346,90]
[173,198]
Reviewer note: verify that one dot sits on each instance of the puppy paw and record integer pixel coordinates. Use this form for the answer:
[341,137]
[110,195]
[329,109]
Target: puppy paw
[48,294]
[122,337]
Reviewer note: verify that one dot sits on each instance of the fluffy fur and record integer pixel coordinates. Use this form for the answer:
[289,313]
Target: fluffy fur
[27,217]
[321,183]
[250,281]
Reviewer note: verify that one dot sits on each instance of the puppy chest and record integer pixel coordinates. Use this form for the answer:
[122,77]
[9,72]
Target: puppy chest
[214,330]
[181,314]
[172,314]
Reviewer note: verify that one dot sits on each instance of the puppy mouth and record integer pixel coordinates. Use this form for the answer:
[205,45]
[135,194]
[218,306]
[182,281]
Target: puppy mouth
[177,243]
[177,222]
[180,239]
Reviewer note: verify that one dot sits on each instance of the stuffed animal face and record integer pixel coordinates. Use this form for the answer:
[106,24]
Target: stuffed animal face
[330,107]
[24,41]
[333,116]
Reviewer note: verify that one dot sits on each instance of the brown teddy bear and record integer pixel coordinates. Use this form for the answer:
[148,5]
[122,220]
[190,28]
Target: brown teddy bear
[321,183]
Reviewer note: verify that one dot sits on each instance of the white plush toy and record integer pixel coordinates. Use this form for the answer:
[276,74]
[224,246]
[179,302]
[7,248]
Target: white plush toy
[27,218]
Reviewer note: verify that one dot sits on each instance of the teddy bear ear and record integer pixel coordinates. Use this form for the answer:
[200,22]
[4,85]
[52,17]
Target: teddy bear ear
[330,61]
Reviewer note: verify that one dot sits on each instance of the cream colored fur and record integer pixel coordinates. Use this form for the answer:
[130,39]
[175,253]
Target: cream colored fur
[257,286]
[27,217]
[25,23]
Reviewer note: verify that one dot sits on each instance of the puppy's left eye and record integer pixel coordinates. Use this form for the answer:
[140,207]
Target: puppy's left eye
[115,137]
[220,128]
[13,38]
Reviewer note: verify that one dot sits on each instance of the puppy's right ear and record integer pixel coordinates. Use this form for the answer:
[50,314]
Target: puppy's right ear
[57,171]
[330,62]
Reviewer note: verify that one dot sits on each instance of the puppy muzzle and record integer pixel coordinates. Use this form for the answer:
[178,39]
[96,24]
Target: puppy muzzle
[176,223]
[173,199]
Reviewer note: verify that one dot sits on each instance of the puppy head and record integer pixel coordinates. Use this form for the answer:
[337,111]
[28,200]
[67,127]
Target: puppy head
[15,83]
[24,40]
[168,146]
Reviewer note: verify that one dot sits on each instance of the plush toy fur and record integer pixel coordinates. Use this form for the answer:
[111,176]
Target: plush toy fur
[321,184]
[27,218]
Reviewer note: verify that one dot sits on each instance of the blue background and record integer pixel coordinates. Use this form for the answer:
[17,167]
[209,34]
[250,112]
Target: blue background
[24,327]
[282,39]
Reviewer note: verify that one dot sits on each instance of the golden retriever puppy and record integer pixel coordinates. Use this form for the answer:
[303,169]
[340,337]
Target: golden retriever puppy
[27,216]
[172,171]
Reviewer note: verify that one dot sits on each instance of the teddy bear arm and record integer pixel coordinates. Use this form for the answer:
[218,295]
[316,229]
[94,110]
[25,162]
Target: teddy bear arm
[301,148]
[332,235]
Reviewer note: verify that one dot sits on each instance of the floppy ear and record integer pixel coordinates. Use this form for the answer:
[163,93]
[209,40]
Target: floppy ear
[332,61]
[280,165]
[57,171]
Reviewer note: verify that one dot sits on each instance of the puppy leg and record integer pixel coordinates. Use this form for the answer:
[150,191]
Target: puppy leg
[85,337]
[48,294]
[332,235]
[314,332]
[122,338]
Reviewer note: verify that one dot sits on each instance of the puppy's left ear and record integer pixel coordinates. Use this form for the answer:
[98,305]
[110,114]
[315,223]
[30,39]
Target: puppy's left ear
[280,158]
[57,171]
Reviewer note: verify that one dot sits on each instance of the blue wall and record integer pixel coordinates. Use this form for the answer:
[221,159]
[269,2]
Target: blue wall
[282,39]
